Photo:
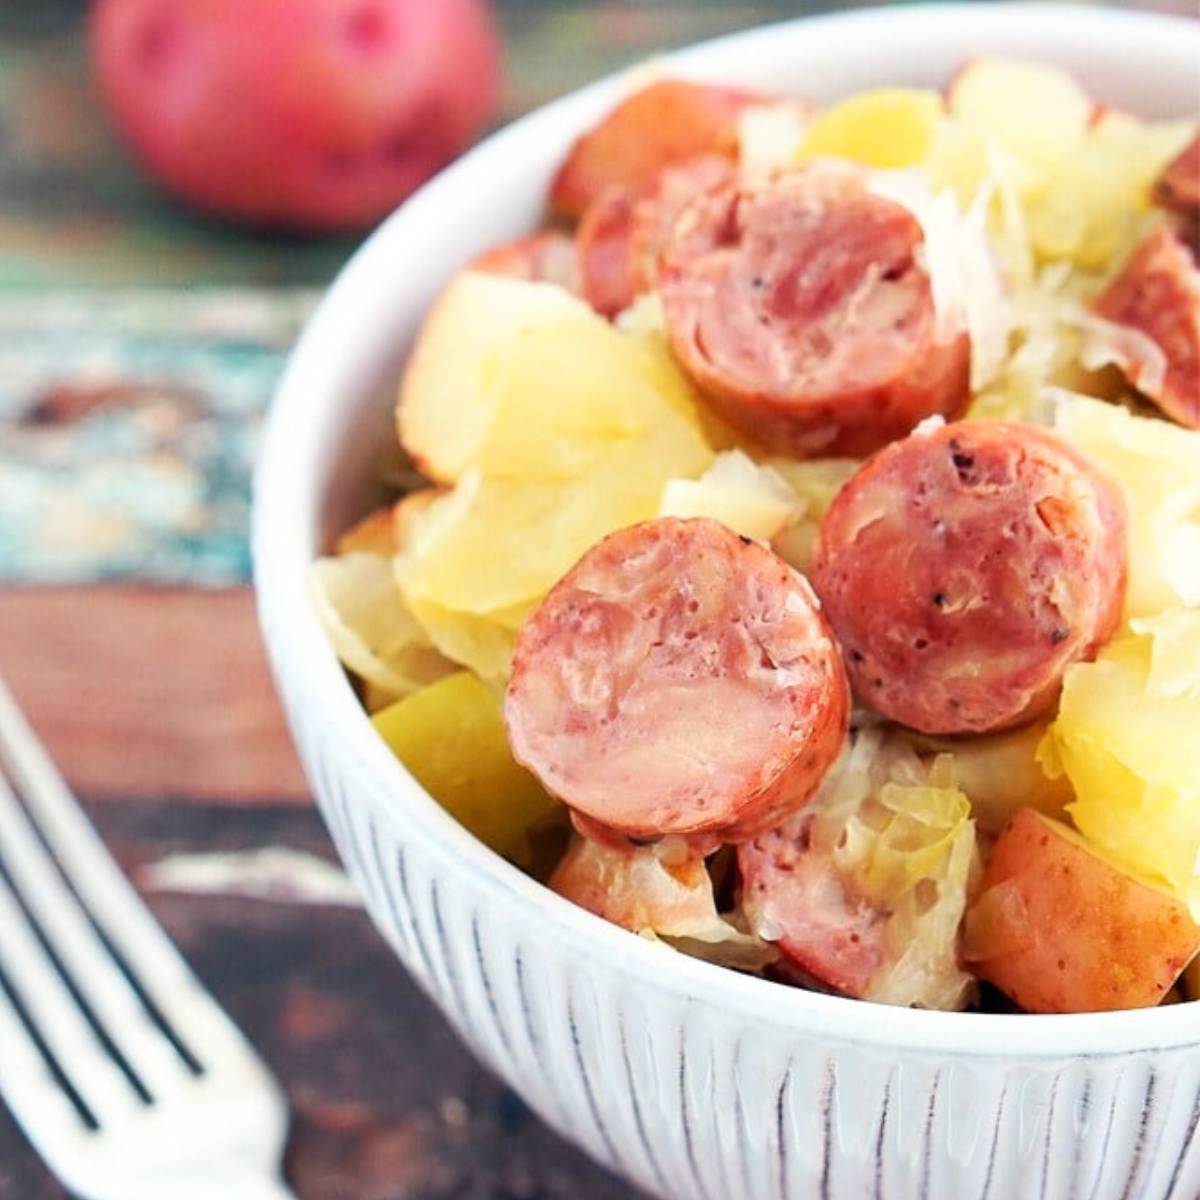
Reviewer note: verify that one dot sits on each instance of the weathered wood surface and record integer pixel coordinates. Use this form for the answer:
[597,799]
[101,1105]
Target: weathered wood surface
[387,1104]
[148,692]
[138,349]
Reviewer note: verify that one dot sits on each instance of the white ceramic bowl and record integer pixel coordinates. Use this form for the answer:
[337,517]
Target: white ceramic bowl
[697,1083]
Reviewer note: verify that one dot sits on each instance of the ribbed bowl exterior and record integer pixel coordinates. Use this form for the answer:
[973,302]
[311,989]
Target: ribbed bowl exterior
[694,1082]
[694,1103]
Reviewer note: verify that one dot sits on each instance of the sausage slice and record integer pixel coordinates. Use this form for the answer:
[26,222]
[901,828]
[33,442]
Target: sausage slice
[665,122]
[623,232]
[794,896]
[803,308]
[679,679]
[964,568]
[1178,187]
[1158,293]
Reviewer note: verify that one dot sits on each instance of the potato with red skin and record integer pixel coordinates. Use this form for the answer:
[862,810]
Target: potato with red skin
[665,122]
[1059,929]
[310,115]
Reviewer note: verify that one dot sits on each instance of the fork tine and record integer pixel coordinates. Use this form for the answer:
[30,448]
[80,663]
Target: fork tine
[116,1005]
[29,1087]
[108,895]
[52,1009]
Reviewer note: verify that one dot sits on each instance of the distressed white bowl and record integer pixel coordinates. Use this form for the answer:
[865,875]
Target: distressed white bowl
[693,1081]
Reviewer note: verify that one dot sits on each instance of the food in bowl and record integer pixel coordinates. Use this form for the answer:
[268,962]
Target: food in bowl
[805,569]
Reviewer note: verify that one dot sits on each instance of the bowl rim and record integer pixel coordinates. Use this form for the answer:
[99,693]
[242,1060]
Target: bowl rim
[284,541]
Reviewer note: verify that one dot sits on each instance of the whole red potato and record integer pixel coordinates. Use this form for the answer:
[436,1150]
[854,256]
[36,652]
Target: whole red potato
[313,115]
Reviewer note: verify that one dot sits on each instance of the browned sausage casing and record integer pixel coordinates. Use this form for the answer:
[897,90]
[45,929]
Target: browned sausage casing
[802,307]
[1158,293]
[679,679]
[794,895]
[623,232]
[1178,187]
[963,569]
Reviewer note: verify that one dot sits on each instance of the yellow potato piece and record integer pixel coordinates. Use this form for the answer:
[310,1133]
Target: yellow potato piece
[884,127]
[1000,773]
[752,500]
[956,158]
[582,427]
[481,642]
[524,382]
[451,736]
[574,393]
[374,534]
[815,481]
[513,541]
[456,374]
[1128,747]
[1096,208]
[1158,467]
[1033,111]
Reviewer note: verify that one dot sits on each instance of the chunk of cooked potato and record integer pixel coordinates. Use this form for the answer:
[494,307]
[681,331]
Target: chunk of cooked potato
[525,383]
[1125,736]
[504,544]
[754,501]
[1059,929]
[1000,773]
[451,736]
[1033,111]
[883,127]
[454,384]
[1158,467]
[374,534]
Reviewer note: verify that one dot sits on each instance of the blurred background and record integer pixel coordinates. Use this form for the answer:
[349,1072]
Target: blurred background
[140,337]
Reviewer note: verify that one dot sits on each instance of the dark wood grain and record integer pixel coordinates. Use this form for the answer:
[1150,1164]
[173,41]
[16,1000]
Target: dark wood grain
[150,692]
[387,1104]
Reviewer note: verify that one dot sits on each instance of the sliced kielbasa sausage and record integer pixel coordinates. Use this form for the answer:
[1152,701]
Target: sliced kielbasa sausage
[793,895]
[802,307]
[1158,293]
[965,567]
[622,233]
[678,679]
[546,257]
[665,122]
[1178,187]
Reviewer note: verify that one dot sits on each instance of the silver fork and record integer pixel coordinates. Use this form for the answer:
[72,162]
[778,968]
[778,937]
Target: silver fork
[125,1075]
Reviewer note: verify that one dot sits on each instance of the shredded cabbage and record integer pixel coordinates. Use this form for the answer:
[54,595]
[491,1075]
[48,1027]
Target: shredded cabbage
[754,501]
[900,832]
[1125,736]
[770,136]
[662,890]
[968,292]
[373,631]
[1158,466]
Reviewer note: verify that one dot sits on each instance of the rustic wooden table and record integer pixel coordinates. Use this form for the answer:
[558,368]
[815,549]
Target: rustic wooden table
[138,348]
